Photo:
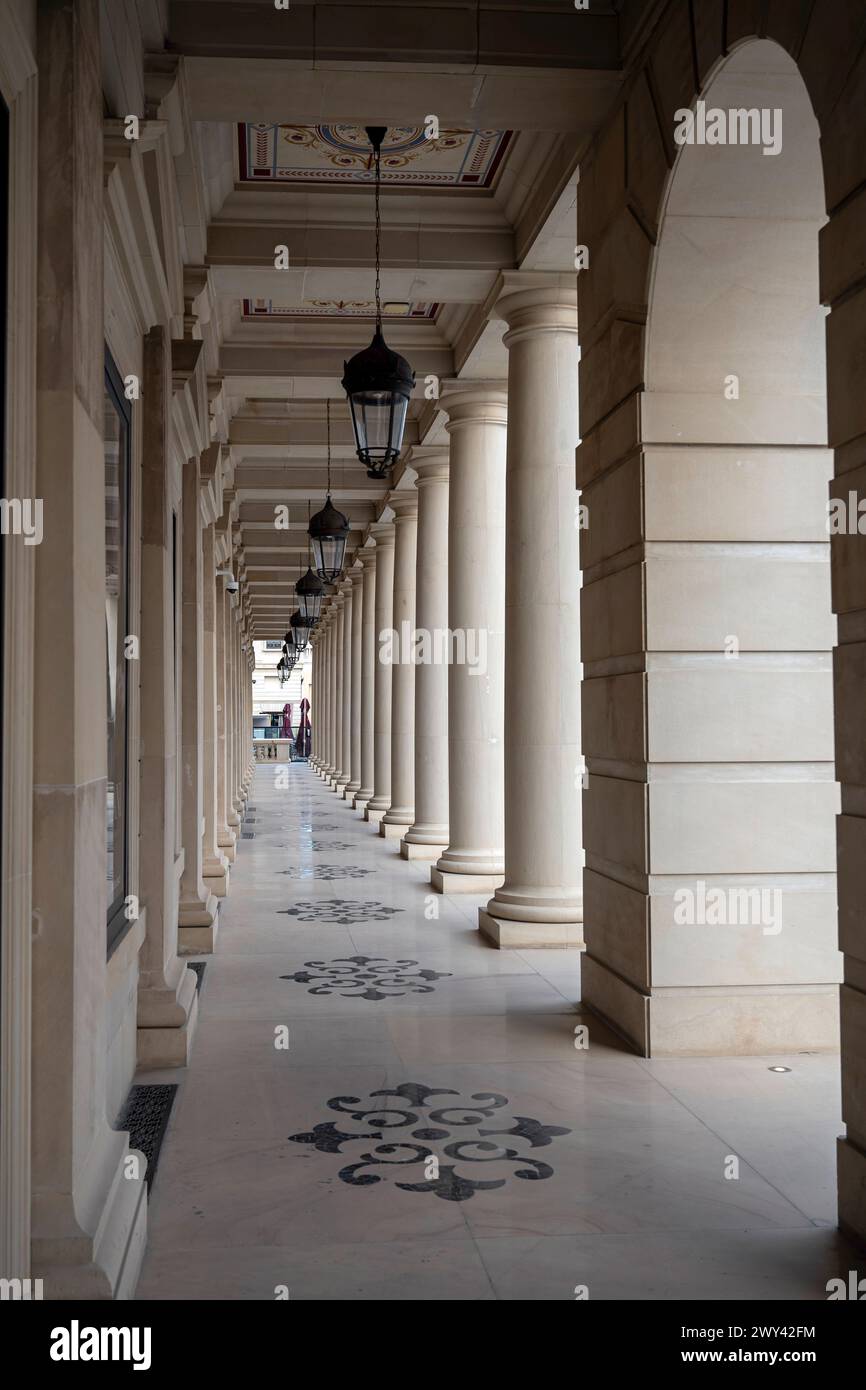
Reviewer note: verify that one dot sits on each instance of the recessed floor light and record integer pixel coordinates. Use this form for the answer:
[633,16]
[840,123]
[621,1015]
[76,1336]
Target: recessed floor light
[778,1068]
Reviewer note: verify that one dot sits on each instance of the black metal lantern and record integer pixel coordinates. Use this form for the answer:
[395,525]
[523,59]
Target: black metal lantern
[300,630]
[310,591]
[378,382]
[329,530]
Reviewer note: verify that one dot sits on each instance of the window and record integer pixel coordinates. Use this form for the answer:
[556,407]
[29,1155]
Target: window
[118,421]
[271,646]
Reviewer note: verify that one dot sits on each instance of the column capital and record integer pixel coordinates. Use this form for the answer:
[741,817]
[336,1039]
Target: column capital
[382,533]
[474,402]
[536,301]
[367,556]
[356,575]
[432,467]
[403,504]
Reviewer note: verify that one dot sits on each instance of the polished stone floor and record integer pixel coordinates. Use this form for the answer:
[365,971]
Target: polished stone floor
[379,1106]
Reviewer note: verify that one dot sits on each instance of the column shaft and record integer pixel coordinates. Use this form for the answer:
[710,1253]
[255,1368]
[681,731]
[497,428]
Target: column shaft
[368,677]
[345,713]
[429,834]
[383,534]
[473,861]
[225,834]
[197,911]
[356,578]
[541,902]
[401,812]
[339,676]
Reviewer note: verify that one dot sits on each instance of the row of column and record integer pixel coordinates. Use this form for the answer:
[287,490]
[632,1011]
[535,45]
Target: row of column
[217,762]
[446,670]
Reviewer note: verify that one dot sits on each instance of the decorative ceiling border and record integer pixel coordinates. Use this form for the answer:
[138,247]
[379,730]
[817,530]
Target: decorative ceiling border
[345,159]
[263,308]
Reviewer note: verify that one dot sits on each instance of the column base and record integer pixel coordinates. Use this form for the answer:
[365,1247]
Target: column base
[350,791]
[215,873]
[391,830]
[851,1170]
[101,1263]
[446,882]
[198,941]
[361,798]
[716,1020]
[197,925]
[509,935]
[410,850]
[374,814]
[227,846]
[167,1020]
[198,912]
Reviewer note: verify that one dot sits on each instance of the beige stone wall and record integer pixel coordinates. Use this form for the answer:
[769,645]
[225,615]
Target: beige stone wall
[634,609]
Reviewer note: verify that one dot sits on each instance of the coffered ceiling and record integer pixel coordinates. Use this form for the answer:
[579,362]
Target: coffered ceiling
[279,102]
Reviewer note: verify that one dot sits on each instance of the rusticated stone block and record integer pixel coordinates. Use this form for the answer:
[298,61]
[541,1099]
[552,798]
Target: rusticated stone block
[610,370]
[672,68]
[647,166]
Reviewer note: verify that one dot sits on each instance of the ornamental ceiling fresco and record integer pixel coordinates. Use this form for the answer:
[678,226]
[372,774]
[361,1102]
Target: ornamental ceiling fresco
[340,154]
[337,308]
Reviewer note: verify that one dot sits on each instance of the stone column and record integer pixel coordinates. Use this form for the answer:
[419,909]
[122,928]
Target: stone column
[167,1000]
[339,676]
[474,859]
[356,578]
[314,695]
[428,836]
[344,713]
[328,692]
[541,900]
[234,818]
[401,812]
[233,708]
[226,838]
[246,711]
[367,556]
[383,534]
[197,913]
[89,1214]
[215,865]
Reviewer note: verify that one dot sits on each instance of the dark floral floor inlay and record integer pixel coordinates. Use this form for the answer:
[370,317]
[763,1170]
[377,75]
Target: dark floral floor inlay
[326,872]
[366,977]
[459,1131]
[310,829]
[318,846]
[344,911]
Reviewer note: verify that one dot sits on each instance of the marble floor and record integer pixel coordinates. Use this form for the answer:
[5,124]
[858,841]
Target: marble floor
[380,1106]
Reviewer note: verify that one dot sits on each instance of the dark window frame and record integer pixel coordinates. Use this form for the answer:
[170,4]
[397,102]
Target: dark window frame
[118,923]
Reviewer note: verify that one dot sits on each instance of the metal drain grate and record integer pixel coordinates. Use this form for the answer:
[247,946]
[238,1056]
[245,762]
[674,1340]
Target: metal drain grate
[199,966]
[146,1114]
[248,834]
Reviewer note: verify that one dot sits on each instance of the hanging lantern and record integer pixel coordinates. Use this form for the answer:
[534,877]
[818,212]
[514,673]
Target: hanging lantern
[378,382]
[300,630]
[310,591]
[329,531]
